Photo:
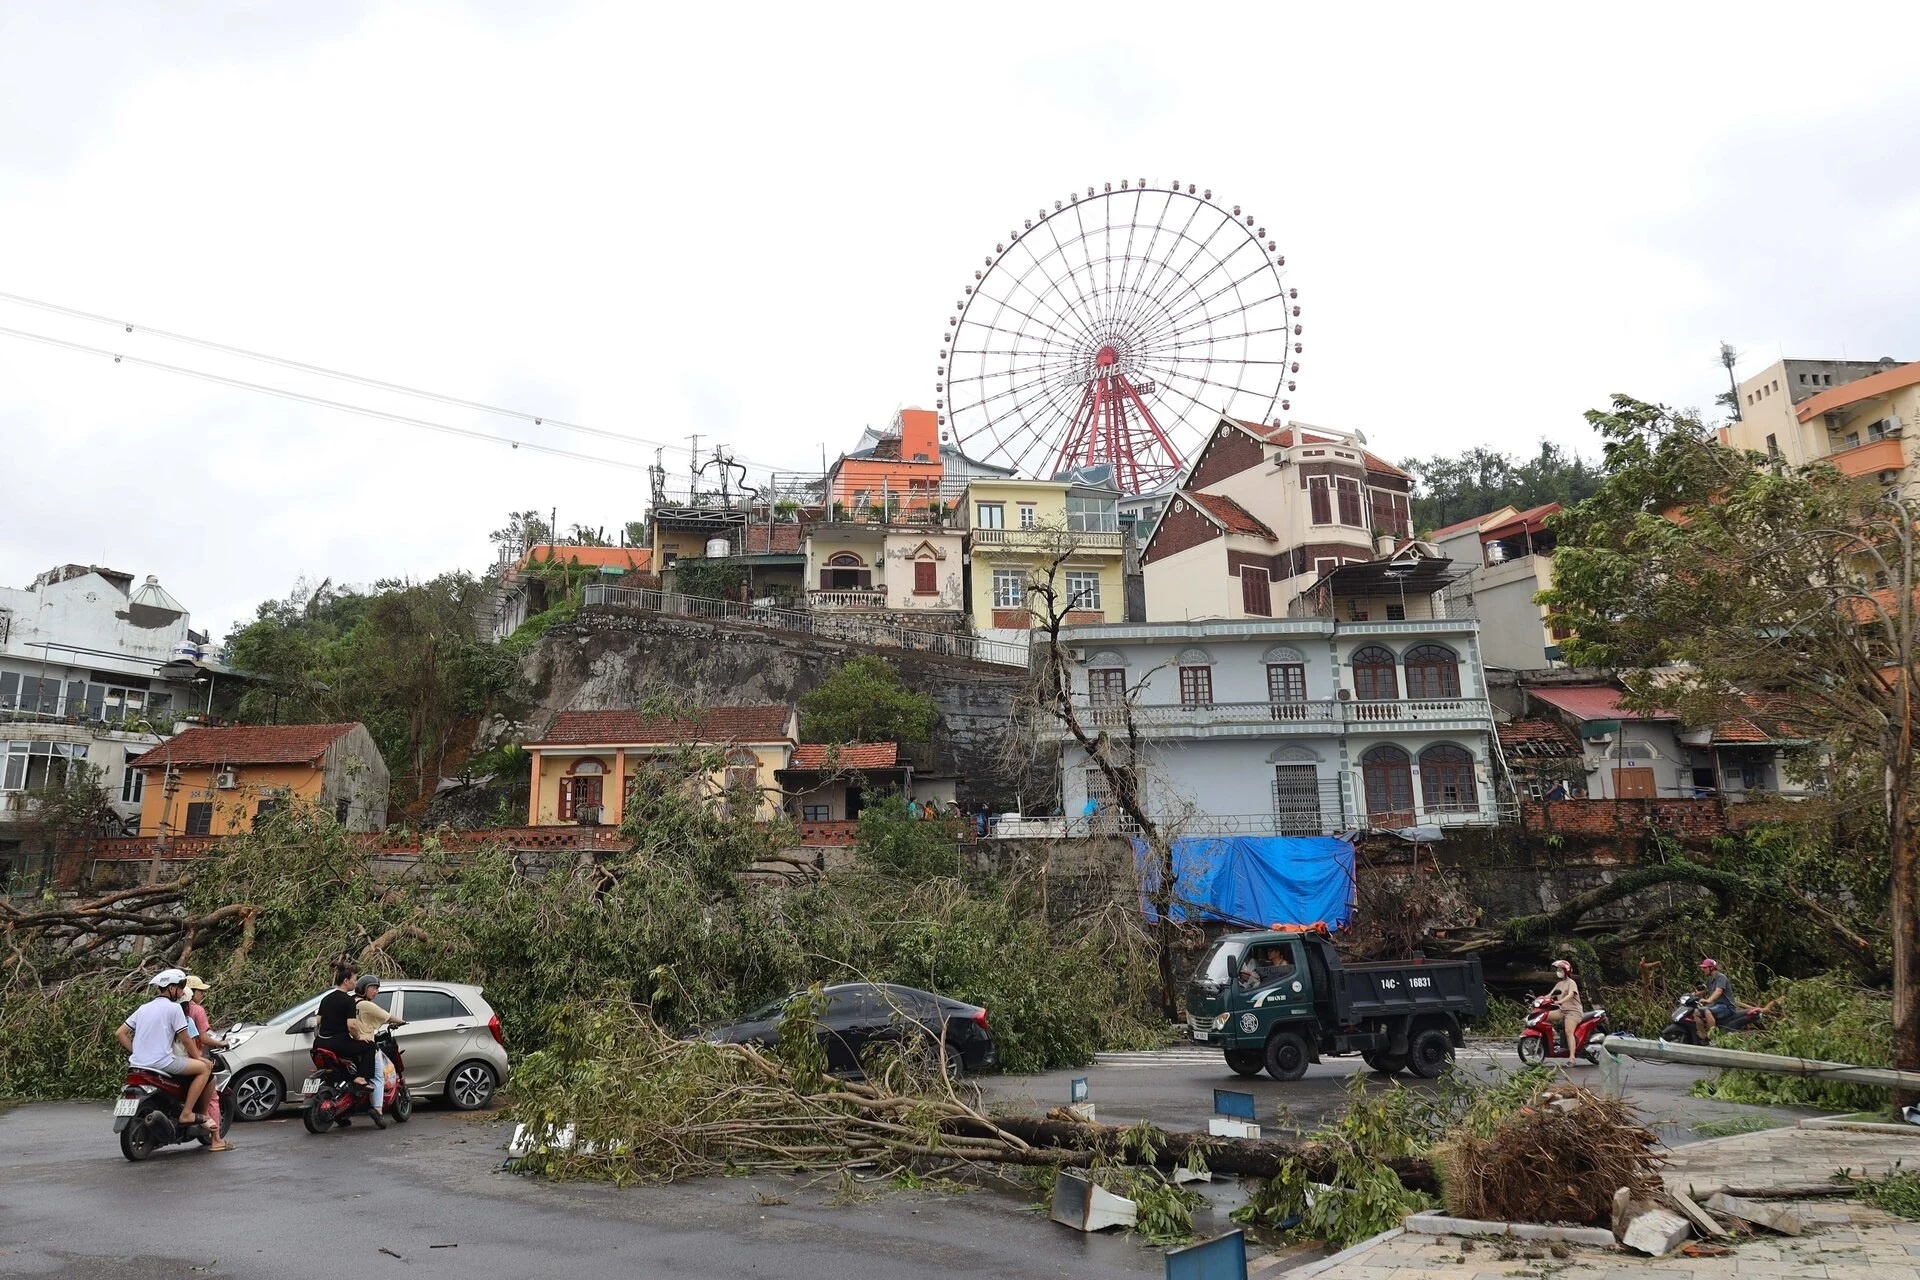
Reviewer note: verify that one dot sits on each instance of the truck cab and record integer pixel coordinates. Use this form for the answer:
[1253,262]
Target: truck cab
[1279,999]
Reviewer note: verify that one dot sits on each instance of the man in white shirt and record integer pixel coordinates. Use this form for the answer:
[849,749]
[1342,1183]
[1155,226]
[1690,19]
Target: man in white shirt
[156,1039]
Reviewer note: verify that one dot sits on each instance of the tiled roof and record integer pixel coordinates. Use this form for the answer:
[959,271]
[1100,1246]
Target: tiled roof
[1737,729]
[1593,702]
[1528,519]
[1284,437]
[765,722]
[1537,738]
[1768,720]
[1229,513]
[246,744]
[638,559]
[850,755]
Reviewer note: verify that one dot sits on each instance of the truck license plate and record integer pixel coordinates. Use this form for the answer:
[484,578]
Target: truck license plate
[1198,1034]
[126,1107]
[311,1086]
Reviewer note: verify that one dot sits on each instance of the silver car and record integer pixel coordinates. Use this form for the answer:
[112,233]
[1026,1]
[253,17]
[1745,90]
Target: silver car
[453,1046]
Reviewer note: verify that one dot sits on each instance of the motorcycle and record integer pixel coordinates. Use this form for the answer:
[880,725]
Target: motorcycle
[332,1096]
[1684,1026]
[1540,1040]
[147,1113]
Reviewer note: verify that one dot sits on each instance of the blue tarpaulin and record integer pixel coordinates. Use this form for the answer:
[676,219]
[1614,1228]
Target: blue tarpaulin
[1258,880]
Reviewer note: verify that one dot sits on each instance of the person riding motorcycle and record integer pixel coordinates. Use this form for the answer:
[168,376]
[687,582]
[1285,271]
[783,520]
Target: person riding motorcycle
[1566,1002]
[1715,996]
[202,1046]
[333,1032]
[158,1037]
[369,1017]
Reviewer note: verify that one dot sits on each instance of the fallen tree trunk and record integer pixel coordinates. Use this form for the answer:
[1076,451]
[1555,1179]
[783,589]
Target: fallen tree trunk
[1050,1136]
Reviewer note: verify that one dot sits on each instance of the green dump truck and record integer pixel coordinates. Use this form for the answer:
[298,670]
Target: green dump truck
[1279,999]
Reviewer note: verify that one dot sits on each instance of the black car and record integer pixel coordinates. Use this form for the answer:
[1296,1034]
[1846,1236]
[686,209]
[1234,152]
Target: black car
[857,1015]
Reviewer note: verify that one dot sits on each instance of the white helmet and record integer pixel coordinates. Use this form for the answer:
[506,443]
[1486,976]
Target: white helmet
[167,978]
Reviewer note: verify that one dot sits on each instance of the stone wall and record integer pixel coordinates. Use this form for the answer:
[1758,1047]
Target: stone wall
[606,660]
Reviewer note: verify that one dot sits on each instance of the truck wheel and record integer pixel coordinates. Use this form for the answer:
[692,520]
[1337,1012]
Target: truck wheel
[1385,1063]
[1429,1053]
[1246,1062]
[1286,1056]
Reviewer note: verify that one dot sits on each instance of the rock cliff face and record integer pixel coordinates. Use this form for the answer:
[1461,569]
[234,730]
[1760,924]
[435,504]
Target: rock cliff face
[604,660]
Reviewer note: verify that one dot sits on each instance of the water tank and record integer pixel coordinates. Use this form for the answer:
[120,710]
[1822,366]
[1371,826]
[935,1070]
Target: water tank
[718,549]
[186,651]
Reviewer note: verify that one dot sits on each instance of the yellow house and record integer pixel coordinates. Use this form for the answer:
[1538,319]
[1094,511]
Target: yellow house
[581,769]
[1020,529]
[216,782]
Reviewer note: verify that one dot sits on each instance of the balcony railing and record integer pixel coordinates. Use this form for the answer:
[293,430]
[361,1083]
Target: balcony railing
[855,599]
[1414,710]
[1046,540]
[1284,717]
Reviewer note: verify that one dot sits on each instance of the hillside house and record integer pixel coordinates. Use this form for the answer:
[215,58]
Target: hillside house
[220,781]
[585,763]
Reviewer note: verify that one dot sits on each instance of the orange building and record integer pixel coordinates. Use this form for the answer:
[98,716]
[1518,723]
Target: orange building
[217,782]
[899,475]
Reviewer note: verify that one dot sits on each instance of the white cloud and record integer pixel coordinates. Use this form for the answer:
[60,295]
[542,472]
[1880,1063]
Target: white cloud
[750,222]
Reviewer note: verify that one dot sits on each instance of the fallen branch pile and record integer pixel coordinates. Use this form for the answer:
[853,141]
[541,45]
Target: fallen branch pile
[636,1105]
[1561,1158]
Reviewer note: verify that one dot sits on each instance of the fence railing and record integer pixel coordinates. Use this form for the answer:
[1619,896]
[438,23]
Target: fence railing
[1046,539]
[845,625]
[846,598]
[1282,716]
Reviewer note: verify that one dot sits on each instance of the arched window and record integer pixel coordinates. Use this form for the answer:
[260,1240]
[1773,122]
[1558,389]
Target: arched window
[845,571]
[1374,678]
[580,794]
[1432,672]
[1446,780]
[1387,773]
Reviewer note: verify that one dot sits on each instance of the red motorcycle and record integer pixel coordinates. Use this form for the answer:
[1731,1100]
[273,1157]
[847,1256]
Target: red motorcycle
[1541,1039]
[147,1113]
[332,1096]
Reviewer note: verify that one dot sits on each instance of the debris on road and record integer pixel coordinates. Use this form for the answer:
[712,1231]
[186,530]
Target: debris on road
[1559,1159]
[1775,1218]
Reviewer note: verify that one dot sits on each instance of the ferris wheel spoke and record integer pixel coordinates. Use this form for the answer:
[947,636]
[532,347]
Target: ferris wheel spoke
[1186,296]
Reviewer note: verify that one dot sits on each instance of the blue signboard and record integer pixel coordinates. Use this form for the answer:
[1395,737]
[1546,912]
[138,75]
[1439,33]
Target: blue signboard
[1228,1103]
[1222,1258]
[1079,1090]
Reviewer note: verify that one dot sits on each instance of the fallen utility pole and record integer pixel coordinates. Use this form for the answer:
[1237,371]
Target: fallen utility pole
[1778,1064]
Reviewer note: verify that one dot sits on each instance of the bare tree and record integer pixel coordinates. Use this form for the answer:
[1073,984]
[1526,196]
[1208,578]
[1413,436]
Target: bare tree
[1108,734]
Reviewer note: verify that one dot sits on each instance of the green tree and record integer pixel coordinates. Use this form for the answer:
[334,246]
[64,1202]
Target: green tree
[1452,488]
[864,701]
[1702,573]
[406,659]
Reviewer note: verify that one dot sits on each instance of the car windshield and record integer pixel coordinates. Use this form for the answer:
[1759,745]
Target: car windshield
[294,1014]
[771,1009]
[1218,966]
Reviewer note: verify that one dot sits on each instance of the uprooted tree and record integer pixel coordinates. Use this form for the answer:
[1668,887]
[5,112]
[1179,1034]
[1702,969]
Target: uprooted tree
[1706,576]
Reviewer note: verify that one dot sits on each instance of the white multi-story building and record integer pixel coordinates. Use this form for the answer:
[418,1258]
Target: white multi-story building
[1293,726]
[92,668]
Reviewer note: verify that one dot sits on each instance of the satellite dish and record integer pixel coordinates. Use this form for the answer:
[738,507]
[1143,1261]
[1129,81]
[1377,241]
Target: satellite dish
[1359,437]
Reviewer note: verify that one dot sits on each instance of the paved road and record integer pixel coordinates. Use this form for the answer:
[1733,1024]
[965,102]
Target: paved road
[287,1204]
[1174,1088]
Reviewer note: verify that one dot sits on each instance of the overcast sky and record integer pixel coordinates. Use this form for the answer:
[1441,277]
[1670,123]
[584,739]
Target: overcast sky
[751,223]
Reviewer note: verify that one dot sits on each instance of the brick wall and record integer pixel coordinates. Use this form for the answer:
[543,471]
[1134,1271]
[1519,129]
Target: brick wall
[1695,819]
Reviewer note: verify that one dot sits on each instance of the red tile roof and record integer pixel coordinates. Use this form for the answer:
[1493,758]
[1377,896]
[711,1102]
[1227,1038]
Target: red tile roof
[636,559]
[765,722]
[1537,738]
[1284,437]
[1738,729]
[1531,518]
[1228,513]
[1768,721]
[1593,702]
[850,755]
[245,744]
[1456,527]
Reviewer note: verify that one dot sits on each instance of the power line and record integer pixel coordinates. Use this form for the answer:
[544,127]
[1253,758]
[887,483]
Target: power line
[321,401]
[362,380]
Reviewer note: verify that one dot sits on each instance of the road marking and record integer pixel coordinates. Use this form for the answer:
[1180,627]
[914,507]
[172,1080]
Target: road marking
[1176,1056]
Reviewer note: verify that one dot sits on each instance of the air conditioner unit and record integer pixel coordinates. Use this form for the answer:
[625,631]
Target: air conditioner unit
[1603,739]
[273,793]
[226,780]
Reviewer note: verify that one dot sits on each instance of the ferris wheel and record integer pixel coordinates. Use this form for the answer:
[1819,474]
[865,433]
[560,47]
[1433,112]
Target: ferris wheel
[1117,328]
